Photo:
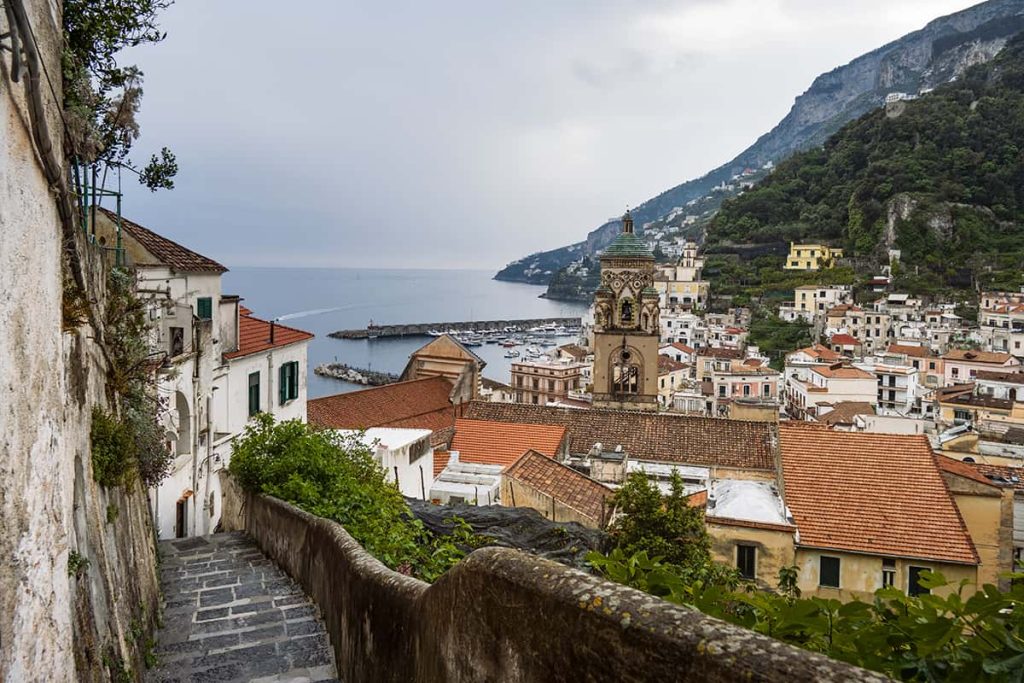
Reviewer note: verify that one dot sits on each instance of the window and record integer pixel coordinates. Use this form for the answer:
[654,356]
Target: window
[519,381]
[914,586]
[888,572]
[955,372]
[551,385]
[177,341]
[289,381]
[746,390]
[204,308]
[721,391]
[828,572]
[961,415]
[254,393]
[535,400]
[766,390]
[746,561]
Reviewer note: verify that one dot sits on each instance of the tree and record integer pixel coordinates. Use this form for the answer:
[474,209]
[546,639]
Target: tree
[665,527]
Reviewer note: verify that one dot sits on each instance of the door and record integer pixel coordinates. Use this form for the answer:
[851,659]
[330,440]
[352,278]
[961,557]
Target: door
[181,519]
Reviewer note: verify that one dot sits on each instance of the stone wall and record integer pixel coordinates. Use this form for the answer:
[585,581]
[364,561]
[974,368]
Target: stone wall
[502,615]
[54,626]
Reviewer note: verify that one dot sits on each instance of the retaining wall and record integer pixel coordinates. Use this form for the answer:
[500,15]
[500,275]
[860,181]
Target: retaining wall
[502,615]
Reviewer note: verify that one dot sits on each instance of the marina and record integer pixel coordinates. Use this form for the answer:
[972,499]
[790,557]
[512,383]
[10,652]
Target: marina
[479,330]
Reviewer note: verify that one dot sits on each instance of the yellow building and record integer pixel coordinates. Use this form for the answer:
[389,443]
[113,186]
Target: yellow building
[874,510]
[811,256]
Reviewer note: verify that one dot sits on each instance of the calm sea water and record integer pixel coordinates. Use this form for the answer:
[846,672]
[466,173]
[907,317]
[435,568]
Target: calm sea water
[322,300]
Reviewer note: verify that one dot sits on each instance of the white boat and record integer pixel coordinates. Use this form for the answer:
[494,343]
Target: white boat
[435,333]
[511,353]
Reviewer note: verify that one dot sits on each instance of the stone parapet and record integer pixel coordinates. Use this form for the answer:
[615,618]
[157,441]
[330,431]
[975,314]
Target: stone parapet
[503,615]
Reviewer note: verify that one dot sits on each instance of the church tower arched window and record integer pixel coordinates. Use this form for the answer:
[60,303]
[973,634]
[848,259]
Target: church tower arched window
[626,371]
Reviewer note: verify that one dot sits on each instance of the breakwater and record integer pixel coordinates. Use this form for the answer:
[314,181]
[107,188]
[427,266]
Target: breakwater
[347,373]
[424,329]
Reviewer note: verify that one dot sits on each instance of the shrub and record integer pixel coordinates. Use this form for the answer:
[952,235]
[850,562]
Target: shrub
[336,476]
[113,450]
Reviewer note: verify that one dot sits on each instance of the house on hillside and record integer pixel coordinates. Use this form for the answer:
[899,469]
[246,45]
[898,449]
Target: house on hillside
[811,256]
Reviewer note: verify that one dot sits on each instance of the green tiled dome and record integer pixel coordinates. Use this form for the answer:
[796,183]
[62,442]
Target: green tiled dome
[628,245]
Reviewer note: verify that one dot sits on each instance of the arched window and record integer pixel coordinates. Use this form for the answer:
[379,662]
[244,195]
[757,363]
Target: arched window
[626,311]
[645,320]
[626,371]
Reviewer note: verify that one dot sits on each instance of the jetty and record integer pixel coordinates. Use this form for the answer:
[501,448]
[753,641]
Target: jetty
[341,371]
[424,329]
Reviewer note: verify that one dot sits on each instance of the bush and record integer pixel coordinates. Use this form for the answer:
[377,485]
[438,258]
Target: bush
[336,477]
[113,450]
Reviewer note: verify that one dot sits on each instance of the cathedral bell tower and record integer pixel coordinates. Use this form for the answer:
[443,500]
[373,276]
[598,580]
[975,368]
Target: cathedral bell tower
[626,326]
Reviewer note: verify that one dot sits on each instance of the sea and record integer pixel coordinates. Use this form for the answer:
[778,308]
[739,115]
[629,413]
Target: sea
[323,300]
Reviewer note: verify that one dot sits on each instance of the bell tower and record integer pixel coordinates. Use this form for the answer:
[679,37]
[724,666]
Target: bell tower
[626,326]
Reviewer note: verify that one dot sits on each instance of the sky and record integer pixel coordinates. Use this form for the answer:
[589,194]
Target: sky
[464,134]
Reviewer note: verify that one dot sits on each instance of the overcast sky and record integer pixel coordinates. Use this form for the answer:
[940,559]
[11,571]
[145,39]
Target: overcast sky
[465,134]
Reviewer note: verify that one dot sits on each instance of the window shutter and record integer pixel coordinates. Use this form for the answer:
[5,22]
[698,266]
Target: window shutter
[295,380]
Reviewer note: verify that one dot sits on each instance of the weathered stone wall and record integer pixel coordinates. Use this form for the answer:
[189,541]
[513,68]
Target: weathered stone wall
[53,626]
[502,615]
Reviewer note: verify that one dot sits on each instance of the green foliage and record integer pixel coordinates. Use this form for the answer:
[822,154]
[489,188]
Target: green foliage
[336,477]
[112,513]
[78,564]
[927,638]
[130,380]
[665,527]
[113,461]
[954,157]
[776,337]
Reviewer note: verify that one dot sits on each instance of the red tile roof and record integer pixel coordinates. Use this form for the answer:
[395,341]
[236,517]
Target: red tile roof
[254,336]
[166,251]
[995,376]
[844,412]
[564,484]
[487,442]
[879,494]
[842,372]
[659,437]
[1003,475]
[820,351]
[911,350]
[977,356]
[682,347]
[420,403]
[962,469]
[667,365]
[845,340]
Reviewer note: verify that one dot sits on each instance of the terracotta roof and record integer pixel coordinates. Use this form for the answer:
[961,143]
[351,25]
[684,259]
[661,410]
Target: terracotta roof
[977,356]
[1002,475]
[820,351]
[962,469]
[166,251]
[718,352]
[486,442]
[567,486]
[842,372]
[574,350]
[880,494]
[419,403]
[994,376]
[682,347]
[845,411]
[667,365]
[698,499]
[845,340]
[659,437]
[488,383]
[910,350]
[843,309]
[254,336]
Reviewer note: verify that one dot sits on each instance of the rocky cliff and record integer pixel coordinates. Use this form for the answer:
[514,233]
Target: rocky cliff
[918,61]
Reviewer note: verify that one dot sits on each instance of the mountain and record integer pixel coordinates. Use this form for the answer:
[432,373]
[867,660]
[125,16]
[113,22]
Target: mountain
[918,61]
[939,178]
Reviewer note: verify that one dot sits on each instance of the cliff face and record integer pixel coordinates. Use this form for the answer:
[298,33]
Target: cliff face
[920,60]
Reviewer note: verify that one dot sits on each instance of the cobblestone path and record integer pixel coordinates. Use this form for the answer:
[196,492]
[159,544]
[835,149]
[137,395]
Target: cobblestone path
[231,615]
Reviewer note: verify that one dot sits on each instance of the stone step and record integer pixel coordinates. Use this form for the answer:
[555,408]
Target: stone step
[230,614]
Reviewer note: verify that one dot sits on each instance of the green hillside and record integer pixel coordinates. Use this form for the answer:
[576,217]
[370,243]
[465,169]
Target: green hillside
[941,178]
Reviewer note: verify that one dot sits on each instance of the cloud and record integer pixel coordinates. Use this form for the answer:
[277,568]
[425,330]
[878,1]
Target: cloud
[462,133]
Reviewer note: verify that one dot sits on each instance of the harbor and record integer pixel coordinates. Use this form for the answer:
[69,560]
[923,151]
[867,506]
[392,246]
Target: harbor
[361,376]
[483,328]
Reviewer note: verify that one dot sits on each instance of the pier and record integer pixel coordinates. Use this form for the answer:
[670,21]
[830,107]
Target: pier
[423,329]
[372,378]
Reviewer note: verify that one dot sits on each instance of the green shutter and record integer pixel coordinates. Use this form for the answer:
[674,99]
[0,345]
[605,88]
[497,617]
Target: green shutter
[204,308]
[282,388]
[254,393]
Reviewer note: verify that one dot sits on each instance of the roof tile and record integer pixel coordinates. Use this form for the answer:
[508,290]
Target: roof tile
[567,486]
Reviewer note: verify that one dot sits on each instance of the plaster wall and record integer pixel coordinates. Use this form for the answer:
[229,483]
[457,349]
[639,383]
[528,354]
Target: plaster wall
[774,549]
[861,575]
[55,626]
[515,493]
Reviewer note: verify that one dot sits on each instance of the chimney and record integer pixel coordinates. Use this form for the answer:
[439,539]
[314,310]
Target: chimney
[271,331]
[453,458]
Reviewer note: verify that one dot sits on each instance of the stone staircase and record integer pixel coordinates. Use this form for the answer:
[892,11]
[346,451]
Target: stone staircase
[230,614]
